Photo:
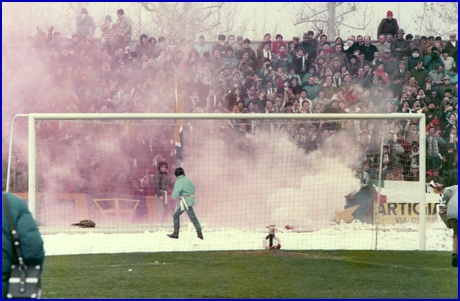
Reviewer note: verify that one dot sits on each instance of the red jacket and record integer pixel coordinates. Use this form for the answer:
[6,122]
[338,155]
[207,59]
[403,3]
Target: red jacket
[276,46]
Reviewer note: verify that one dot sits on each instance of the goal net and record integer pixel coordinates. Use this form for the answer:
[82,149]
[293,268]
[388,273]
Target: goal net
[341,181]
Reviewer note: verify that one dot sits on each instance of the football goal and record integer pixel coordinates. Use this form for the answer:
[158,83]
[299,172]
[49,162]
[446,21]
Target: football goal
[315,177]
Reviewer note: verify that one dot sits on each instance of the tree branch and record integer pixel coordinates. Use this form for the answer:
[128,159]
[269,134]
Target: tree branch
[346,13]
[147,7]
[310,21]
[352,27]
[213,6]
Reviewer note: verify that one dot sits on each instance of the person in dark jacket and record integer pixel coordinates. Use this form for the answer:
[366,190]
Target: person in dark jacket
[31,241]
[388,25]
[368,49]
[162,185]
[412,60]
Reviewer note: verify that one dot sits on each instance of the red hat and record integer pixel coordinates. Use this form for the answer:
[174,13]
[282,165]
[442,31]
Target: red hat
[389,13]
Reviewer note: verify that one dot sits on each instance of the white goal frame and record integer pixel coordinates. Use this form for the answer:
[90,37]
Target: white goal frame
[33,117]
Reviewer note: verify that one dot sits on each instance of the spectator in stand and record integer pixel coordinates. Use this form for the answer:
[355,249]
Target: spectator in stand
[411,61]
[432,60]
[312,88]
[239,43]
[308,47]
[144,46]
[432,112]
[109,31]
[247,49]
[450,164]
[85,24]
[396,174]
[433,148]
[382,45]
[413,174]
[261,46]
[229,60]
[447,60]
[433,175]
[453,76]
[338,54]
[201,46]
[220,45]
[437,75]
[381,72]
[388,25]
[400,77]
[266,54]
[390,62]
[417,44]
[448,125]
[231,42]
[124,25]
[446,84]
[368,49]
[19,181]
[452,44]
[360,78]
[322,40]
[278,42]
[282,59]
[400,45]
[448,100]
[419,73]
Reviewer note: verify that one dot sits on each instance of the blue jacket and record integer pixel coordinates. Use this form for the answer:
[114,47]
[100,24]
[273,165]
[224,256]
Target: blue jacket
[184,187]
[430,63]
[31,241]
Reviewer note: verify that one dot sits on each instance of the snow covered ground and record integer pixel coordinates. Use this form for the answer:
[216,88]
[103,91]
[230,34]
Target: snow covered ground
[353,236]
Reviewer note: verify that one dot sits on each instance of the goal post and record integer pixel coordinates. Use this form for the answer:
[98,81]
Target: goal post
[196,122]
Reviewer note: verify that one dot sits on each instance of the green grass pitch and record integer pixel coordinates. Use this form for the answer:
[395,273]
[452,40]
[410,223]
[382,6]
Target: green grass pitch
[252,274]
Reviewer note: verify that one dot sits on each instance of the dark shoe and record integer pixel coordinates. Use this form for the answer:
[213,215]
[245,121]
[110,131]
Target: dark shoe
[454,260]
[200,235]
[175,234]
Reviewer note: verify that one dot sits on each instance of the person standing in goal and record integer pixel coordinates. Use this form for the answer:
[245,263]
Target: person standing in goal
[162,184]
[184,191]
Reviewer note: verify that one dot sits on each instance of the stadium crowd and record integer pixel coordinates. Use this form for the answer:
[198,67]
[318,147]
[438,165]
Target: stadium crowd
[306,74]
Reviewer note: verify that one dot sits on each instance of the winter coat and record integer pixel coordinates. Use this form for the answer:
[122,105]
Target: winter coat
[85,26]
[31,241]
[387,26]
[449,46]
[184,187]
[144,48]
[430,62]
[412,62]
[124,25]
[368,51]
[161,181]
[419,75]
[202,48]
[402,44]
[229,61]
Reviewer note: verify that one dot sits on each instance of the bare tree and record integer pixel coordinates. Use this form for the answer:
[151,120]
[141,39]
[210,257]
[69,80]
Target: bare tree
[439,18]
[190,19]
[331,16]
